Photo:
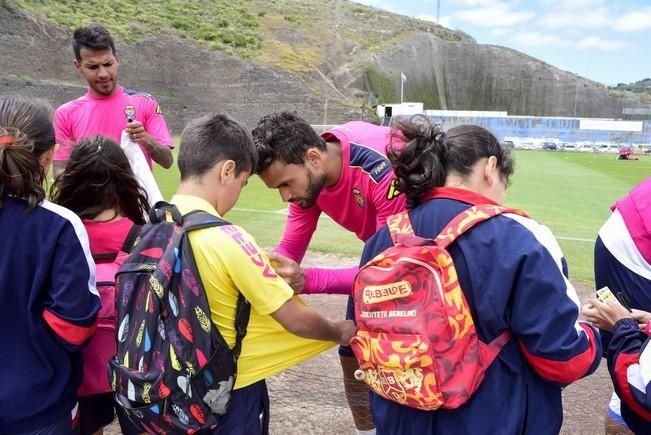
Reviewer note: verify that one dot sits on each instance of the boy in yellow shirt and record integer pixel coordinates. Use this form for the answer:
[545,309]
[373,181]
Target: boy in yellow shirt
[215,160]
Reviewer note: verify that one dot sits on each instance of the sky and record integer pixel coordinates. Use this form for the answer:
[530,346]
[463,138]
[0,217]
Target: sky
[605,41]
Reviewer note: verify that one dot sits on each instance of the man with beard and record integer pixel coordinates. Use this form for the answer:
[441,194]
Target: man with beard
[107,108]
[343,173]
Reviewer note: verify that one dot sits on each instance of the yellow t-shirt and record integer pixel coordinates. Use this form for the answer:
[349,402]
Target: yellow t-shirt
[229,261]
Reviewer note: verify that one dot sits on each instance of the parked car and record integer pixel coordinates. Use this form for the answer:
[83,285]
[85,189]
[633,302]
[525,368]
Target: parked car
[585,148]
[569,147]
[609,148]
[508,144]
[551,146]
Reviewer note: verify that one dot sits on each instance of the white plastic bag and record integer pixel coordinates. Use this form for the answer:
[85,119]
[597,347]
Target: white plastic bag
[140,168]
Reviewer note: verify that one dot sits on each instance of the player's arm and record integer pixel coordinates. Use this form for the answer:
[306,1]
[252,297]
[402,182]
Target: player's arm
[154,135]
[160,153]
[64,139]
[313,280]
[299,229]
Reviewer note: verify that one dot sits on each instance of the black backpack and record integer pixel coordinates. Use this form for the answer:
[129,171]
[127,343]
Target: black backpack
[173,370]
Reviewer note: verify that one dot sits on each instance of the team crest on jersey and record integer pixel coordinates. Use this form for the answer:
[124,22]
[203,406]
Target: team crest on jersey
[130,113]
[393,190]
[158,110]
[361,202]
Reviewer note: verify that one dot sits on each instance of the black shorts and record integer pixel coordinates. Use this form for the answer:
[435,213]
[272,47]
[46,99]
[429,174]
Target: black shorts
[350,315]
[95,412]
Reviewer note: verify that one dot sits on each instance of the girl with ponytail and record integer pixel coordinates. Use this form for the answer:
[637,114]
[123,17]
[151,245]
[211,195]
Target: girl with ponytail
[48,300]
[514,279]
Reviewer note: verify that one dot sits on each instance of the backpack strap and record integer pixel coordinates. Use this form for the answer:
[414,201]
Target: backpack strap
[164,211]
[130,240]
[492,350]
[402,232]
[242,314]
[468,219]
[196,220]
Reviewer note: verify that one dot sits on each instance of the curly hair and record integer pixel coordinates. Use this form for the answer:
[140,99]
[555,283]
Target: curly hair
[26,133]
[284,136]
[429,155]
[98,177]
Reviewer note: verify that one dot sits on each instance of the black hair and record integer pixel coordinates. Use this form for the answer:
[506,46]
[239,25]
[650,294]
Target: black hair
[94,37]
[211,139]
[26,133]
[429,155]
[98,177]
[284,136]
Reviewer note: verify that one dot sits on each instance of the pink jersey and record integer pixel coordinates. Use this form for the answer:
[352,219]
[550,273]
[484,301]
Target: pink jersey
[90,115]
[360,202]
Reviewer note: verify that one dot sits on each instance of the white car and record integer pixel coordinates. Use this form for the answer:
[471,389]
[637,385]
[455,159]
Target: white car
[585,148]
[569,147]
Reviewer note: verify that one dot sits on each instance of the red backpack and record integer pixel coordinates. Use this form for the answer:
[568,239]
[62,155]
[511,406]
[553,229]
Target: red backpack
[101,347]
[416,343]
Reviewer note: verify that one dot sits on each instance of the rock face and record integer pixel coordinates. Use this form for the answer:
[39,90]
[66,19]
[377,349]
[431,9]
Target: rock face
[187,81]
[469,76]
[190,81]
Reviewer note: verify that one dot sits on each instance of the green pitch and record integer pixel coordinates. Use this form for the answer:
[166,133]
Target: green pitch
[569,192]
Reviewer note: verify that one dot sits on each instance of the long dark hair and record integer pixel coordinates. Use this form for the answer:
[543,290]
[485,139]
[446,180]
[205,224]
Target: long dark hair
[26,133]
[98,177]
[429,155]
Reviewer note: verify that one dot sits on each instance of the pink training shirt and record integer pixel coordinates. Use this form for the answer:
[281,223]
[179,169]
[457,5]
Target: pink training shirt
[90,115]
[360,201]
[635,209]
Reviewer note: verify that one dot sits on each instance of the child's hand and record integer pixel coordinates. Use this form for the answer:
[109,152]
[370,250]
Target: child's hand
[347,329]
[604,316]
[289,270]
[641,317]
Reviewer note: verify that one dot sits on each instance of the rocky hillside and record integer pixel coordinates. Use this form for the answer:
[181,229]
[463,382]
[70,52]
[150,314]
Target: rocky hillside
[325,59]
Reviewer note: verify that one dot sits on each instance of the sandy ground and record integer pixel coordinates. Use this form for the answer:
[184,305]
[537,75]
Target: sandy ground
[309,398]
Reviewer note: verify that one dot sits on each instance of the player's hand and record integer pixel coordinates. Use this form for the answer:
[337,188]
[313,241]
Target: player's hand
[136,131]
[347,329]
[289,270]
[604,316]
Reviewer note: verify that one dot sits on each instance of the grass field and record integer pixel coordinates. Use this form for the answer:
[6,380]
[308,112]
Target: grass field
[569,192]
